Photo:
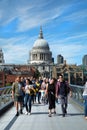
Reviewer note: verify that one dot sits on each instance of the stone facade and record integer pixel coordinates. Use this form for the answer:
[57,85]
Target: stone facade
[40,56]
[72,73]
[84,60]
[40,52]
[1,57]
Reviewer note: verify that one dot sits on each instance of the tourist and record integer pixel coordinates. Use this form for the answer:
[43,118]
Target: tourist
[28,96]
[23,84]
[43,88]
[38,90]
[85,100]
[62,91]
[50,89]
[17,94]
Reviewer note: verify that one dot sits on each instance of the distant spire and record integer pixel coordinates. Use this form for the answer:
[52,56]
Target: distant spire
[41,33]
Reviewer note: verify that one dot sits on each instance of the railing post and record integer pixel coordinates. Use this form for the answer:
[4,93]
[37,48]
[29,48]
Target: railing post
[5,95]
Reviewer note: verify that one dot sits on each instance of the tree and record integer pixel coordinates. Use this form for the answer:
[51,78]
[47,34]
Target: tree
[37,74]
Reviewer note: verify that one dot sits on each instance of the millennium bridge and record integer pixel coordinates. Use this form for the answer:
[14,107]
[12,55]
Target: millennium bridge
[39,120]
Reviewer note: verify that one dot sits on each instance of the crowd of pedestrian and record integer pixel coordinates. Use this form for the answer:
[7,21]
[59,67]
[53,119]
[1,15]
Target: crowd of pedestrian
[28,91]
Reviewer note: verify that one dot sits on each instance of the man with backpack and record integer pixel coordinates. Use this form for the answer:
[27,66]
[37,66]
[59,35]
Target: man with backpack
[62,91]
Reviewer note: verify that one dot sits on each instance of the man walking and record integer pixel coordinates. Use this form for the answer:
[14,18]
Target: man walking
[62,91]
[17,94]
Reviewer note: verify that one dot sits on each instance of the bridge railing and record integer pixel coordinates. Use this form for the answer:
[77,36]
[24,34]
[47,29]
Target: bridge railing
[77,92]
[5,96]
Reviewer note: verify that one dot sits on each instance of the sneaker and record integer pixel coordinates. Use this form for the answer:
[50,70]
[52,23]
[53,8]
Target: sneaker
[17,114]
[29,113]
[26,113]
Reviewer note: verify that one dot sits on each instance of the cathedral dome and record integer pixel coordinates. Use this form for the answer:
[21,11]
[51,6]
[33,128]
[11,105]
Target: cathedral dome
[40,53]
[41,42]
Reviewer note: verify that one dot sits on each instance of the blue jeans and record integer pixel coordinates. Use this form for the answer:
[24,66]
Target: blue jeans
[27,102]
[64,102]
[85,105]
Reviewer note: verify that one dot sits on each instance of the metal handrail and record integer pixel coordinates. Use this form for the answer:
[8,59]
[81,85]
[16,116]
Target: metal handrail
[5,96]
[77,93]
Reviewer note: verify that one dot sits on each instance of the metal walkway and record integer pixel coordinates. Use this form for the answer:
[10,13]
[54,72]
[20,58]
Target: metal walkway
[39,120]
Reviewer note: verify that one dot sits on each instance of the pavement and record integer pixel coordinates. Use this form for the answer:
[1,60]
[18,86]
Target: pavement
[39,120]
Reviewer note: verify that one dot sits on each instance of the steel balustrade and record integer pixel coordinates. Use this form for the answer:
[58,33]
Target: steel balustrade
[77,92]
[5,96]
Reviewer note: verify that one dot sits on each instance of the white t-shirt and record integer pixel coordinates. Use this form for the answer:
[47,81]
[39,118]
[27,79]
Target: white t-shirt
[85,90]
[27,87]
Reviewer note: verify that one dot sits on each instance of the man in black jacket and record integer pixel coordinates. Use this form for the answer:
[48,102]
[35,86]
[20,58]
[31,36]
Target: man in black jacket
[62,91]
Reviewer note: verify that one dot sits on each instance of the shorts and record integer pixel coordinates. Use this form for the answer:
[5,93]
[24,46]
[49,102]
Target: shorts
[18,98]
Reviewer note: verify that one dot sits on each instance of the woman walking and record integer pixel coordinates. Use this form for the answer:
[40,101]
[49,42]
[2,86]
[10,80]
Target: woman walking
[28,96]
[51,96]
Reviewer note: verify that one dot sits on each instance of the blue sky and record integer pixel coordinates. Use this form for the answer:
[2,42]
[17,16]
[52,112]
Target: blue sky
[64,24]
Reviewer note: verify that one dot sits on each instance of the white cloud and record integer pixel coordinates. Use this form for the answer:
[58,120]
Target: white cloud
[29,14]
[16,54]
[77,16]
[32,19]
[70,51]
[16,50]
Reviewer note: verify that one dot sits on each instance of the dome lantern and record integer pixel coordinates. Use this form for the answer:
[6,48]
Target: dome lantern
[41,42]
[41,33]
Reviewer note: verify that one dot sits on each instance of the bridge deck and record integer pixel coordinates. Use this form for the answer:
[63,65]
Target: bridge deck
[39,120]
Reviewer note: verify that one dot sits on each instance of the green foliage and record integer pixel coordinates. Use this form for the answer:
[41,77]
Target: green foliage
[37,74]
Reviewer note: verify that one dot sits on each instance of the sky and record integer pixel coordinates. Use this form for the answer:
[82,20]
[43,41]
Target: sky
[64,25]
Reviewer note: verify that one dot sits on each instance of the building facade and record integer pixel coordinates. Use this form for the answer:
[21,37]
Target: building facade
[84,60]
[71,73]
[9,72]
[1,57]
[60,59]
[40,56]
